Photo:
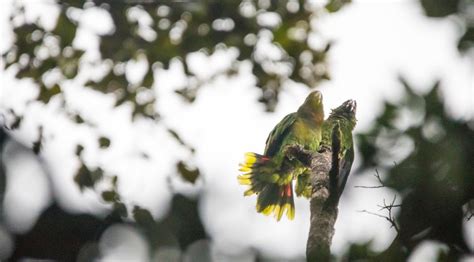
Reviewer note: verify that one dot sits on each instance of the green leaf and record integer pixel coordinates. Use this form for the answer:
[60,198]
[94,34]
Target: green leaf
[188,174]
[110,196]
[336,5]
[121,209]
[104,142]
[16,122]
[148,79]
[143,217]
[79,149]
[440,8]
[86,178]
[78,119]
[65,29]
[47,93]
[467,40]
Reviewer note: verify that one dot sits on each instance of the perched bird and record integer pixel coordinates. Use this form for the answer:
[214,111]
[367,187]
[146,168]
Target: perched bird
[337,136]
[270,175]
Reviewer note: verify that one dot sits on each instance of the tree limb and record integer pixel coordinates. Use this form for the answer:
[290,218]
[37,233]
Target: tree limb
[323,215]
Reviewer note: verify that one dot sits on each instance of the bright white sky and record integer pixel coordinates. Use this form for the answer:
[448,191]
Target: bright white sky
[374,41]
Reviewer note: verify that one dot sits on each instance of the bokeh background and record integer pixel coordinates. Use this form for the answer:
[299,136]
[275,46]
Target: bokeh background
[124,123]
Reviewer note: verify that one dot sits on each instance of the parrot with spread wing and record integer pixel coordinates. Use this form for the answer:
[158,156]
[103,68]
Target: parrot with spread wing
[270,175]
[336,136]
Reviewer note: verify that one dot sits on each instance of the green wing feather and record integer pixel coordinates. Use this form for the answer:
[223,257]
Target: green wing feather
[337,135]
[345,165]
[278,134]
[270,175]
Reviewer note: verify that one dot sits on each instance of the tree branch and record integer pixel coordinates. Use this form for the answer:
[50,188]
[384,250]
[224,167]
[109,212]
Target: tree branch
[323,212]
[390,217]
[379,179]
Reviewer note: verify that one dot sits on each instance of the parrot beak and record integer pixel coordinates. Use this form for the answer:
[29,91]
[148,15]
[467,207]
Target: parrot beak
[352,105]
[349,106]
[316,96]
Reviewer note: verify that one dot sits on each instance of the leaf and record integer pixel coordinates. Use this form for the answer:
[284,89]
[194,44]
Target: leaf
[65,29]
[82,178]
[188,174]
[110,196]
[78,119]
[121,209]
[86,178]
[148,79]
[440,8]
[16,122]
[466,42]
[143,217]
[79,149]
[104,142]
[336,5]
[114,181]
[47,93]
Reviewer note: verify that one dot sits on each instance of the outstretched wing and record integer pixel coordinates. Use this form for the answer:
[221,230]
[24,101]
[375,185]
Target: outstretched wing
[278,135]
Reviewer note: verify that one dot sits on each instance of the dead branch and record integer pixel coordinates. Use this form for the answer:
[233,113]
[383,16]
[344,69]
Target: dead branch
[390,217]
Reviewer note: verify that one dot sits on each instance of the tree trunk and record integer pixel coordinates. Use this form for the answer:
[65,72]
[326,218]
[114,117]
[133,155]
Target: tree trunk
[323,216]
[323,212]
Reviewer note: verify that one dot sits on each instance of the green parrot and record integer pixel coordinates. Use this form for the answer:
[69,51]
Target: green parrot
[270,175]
[337,135]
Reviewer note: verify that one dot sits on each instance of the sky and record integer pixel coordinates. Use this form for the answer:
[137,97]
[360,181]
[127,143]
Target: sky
[374,42]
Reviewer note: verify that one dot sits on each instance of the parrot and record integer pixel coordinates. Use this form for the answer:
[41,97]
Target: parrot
[270,176]
[337,136]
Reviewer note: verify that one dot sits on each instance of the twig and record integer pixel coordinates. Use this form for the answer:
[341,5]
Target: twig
[379,179]
[390,217]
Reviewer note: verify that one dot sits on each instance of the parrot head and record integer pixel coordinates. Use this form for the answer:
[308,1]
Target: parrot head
[313,107]
[315,98]
[346,110]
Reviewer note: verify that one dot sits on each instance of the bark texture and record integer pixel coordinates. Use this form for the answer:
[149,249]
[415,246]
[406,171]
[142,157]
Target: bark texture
[323,212]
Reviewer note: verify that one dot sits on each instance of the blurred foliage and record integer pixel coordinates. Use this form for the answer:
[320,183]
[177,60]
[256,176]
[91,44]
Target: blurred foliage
[3,177]
[435,179]
[63,236]
[86,177]
[181,227]
[104,142]
[335,5]
[188,174]
[160,31]
[463,10]
[39,142]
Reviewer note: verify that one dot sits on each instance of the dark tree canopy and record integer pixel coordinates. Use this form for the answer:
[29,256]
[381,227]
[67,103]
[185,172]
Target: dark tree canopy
[435,180]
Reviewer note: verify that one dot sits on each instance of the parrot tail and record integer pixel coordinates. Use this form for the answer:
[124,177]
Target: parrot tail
[273,198]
